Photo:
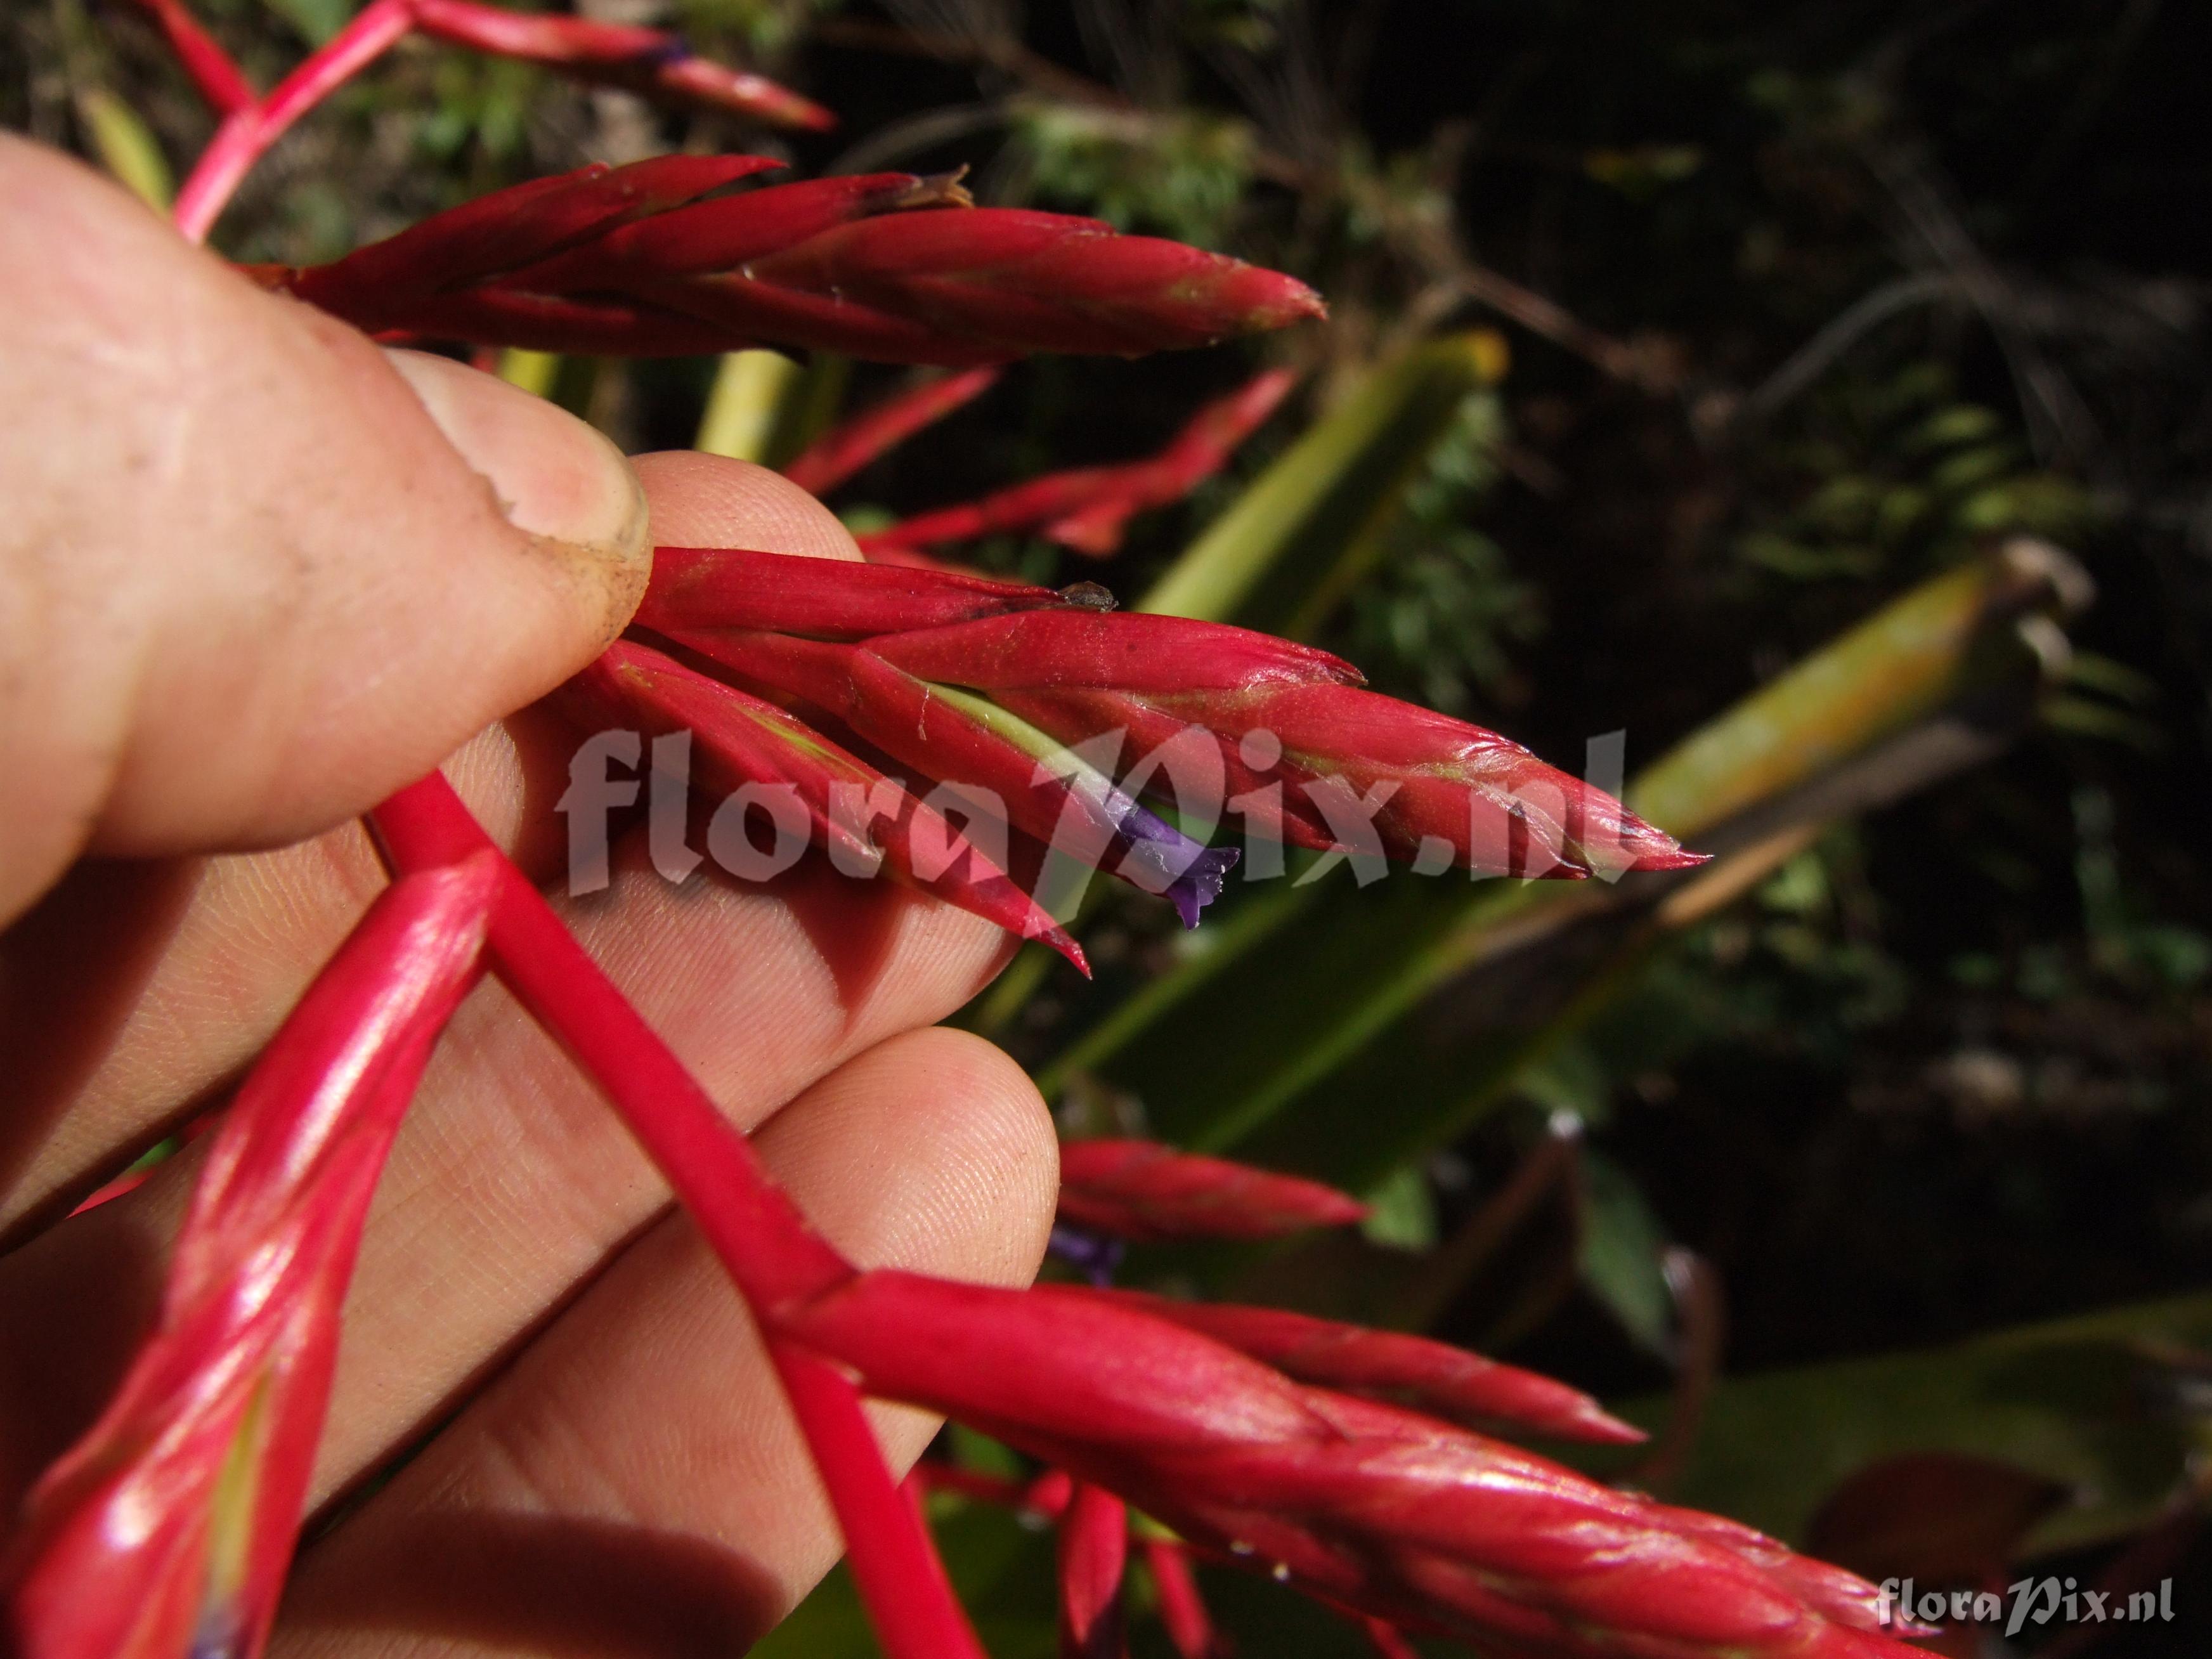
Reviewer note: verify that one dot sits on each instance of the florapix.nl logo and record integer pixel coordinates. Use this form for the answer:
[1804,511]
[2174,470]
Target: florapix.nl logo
[2028,1602]
[763,827]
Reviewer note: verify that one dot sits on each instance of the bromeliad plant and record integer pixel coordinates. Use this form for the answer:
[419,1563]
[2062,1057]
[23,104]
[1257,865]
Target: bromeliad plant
[1358,1467]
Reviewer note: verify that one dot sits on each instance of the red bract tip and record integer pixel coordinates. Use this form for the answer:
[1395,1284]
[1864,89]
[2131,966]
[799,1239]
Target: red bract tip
[168,1528]
[1094,1551]
[876,431]
[863,819]
[1007,283]
[1412,1371]
[890,266]
[1141,1190]
[638,60]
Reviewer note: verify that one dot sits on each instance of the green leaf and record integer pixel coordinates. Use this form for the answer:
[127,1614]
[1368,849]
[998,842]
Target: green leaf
[534,372]
[1622,1260]
[316,19]
[1401,1211]
[126,147]
[2064,1400]
[1294,544]
[745,404]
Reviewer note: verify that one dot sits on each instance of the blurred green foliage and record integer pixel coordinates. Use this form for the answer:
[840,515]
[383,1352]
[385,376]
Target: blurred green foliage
[1185,179]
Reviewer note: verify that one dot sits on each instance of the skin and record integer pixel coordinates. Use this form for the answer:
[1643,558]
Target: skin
[255,572]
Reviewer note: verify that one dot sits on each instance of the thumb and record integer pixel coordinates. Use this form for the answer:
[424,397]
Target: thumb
[256,573]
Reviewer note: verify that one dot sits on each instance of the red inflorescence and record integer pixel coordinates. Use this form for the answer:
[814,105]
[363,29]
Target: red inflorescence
[661,257]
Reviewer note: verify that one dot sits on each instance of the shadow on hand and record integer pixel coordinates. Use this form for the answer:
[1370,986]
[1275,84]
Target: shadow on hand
[554,1585]
[87,1326]
[72,970]
[855,924]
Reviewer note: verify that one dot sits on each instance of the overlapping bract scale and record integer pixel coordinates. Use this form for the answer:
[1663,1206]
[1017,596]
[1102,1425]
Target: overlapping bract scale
[661,256]
[738,741]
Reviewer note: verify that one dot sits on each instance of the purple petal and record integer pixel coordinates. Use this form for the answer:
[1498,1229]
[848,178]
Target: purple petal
[1170,863]
[1200,884]
[1092,1254]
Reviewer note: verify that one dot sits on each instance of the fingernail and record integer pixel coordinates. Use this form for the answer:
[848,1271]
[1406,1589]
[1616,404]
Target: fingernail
[553,476]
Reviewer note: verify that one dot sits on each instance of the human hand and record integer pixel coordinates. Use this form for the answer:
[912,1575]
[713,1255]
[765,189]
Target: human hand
[256,574]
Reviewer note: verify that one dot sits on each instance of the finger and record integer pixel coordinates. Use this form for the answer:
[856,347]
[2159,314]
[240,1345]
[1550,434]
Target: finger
[256,574]
[133,992]
[634,1483]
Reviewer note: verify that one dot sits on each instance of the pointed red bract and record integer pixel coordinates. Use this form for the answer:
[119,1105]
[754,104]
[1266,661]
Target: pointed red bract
[1094,1551]
[889,266]
[876,431]
[1432,1376]
[500,233]
[1297,736]
[1010,282]
[168,1527]
[1141,1190]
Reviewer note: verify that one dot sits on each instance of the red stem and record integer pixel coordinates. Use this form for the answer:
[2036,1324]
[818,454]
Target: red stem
[772,1252]
[247,134]
[895,1562]
[761,1237]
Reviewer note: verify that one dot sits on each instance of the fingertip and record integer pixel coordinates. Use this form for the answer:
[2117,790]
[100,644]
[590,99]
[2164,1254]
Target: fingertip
[552,476]
[710,501]
[949,1143]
